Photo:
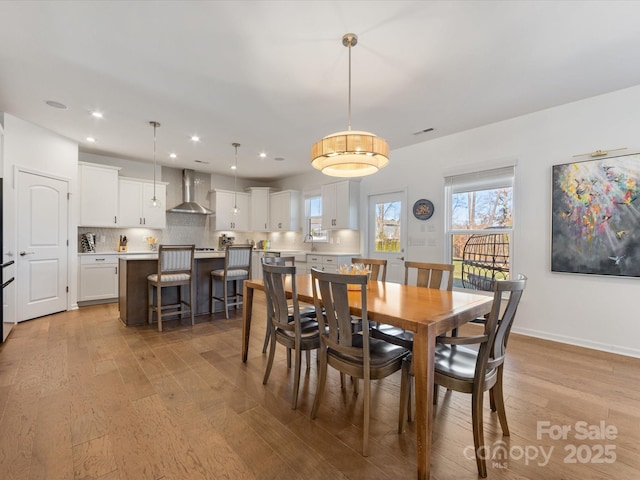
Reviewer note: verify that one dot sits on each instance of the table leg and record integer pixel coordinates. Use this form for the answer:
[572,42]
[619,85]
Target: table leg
[423,362]
[247,308]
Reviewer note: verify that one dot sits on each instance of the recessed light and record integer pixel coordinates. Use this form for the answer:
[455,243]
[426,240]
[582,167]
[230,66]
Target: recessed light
[195,138]
[263,155]
[97,114]
[91,139]
[233,167]
[173,155]
[54,104]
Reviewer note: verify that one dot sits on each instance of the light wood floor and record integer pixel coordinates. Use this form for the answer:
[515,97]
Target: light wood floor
[82,396]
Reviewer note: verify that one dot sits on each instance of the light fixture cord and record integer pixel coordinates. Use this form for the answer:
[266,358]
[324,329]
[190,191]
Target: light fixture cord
[235,181]
[155,124]
[349,119]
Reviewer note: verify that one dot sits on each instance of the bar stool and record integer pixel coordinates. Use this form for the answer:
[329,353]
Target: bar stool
[237,267]
[175,269]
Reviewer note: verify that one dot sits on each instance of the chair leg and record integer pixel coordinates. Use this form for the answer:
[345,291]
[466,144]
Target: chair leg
[159,306]
[224,294]
[288,358]
[498,396]
[272,353]
[267,336]
[404,380]
[367,416]
[322,378]
[478,433]
[296,378]
[150,304]
[308,359]
[191,304]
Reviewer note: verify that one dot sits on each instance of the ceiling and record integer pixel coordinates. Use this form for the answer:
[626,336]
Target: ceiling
[273,75]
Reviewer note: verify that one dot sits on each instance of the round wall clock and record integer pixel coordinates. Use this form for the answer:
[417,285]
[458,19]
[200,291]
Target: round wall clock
[423,209]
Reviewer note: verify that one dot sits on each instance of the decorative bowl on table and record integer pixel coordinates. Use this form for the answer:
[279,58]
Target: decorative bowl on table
[355,269]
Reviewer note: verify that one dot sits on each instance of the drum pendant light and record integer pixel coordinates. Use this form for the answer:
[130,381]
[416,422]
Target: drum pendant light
[350,153]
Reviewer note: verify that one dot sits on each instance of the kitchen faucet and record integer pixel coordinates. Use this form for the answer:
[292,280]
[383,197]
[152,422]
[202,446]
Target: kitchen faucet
[309,236]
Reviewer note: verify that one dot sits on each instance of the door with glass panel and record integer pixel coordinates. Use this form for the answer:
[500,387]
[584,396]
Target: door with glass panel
[387,232]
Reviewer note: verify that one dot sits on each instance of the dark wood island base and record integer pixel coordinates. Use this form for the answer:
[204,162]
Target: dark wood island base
[132,285]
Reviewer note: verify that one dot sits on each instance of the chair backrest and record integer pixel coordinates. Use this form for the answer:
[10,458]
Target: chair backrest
[174,259]
[377,267]
[291,261]
[238,257]
[331,291]
[276,277]
[430,275]
[499,322]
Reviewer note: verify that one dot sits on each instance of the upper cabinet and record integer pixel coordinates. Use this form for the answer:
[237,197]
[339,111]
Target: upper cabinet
[260,209]
[285,211]
[340,205]
[135,206]
[225,219]
[98,195]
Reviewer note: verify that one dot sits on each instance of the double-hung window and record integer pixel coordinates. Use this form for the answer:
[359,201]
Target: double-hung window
[479,226]
[313,214]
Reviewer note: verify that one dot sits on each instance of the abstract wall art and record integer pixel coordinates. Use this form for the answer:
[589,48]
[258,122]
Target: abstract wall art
[596,217]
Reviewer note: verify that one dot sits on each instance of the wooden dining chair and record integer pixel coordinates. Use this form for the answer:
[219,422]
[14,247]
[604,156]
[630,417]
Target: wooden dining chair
[475,364]
[353,354]
[237,267]
[175,269]
[377,267]
[305,310]
[287,326]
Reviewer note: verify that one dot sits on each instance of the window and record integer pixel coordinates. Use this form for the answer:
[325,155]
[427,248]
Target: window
[387,225]
[480,226]
[313,215]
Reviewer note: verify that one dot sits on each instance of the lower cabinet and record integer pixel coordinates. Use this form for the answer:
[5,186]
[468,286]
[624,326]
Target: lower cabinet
[327,263]
[98,280]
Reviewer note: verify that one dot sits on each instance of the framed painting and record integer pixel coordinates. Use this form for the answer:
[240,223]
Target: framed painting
[595,226]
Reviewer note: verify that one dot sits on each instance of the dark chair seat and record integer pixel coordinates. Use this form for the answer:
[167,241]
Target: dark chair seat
[458,361]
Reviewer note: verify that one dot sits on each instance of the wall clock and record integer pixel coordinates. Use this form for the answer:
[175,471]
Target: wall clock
[423,209]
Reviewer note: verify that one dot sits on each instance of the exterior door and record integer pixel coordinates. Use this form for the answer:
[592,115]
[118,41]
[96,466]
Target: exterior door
[387,232]
[42,245]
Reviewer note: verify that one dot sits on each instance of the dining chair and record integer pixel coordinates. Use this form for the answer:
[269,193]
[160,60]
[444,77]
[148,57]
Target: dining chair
[428,275]
[305,310]
[354,354]
[288,327]
[477,369]
[377,267]
[237,267]
[175,269]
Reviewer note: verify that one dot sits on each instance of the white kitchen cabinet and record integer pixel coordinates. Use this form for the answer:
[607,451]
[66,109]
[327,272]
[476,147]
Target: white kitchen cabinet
[285,211]
[340,202]
[98,278]
[260,210]
[98,186]
[134,204]
[225,219]
[327,263]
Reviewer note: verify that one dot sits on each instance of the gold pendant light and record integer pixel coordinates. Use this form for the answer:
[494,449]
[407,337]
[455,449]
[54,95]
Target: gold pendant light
[350,153]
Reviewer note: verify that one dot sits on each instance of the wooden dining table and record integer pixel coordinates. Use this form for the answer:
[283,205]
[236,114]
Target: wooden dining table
[426,312]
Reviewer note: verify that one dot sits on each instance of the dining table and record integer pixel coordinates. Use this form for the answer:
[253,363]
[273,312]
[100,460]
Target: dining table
[426,312]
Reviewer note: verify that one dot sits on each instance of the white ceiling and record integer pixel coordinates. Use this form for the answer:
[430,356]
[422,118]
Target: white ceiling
[273,75]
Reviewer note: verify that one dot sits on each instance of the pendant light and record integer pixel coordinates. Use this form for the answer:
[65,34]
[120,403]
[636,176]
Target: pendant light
[350,153]
[154,200]
[235,181]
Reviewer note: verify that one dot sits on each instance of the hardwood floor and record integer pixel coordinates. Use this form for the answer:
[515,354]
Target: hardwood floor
[82,397]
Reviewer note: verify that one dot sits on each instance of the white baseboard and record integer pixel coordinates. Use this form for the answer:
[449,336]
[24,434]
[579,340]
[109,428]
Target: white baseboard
[579,342]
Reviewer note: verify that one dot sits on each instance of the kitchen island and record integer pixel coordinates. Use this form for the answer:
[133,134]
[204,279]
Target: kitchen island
[132,285]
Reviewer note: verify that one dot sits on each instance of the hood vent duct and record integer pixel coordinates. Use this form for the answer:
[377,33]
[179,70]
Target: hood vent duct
[188,204]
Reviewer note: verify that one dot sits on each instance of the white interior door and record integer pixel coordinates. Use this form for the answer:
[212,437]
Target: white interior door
[42,245]
[387,227]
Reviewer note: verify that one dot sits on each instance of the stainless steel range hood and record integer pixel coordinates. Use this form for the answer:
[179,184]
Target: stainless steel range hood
[188,204]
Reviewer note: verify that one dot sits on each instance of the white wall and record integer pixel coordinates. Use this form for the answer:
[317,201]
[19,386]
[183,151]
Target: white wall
[593,311]
[38,150]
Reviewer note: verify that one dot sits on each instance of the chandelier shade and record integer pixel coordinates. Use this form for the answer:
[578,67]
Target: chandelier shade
[350,153]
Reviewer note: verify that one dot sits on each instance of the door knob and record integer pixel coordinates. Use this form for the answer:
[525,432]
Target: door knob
[400,258]
[23,253]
